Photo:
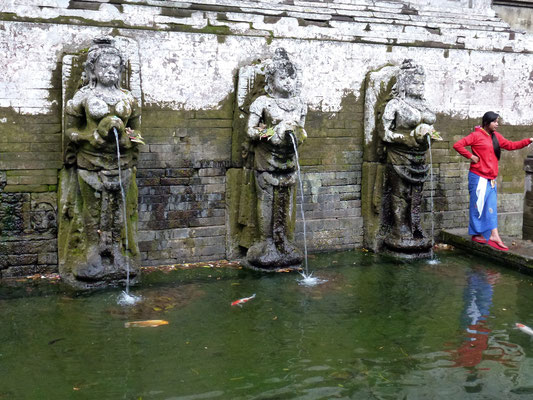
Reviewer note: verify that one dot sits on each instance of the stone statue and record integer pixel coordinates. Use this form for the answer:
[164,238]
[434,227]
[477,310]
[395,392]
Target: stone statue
[274,130]
[98,191]
[404,124]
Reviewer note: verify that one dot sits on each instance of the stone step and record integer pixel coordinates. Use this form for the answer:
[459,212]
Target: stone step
[519,256]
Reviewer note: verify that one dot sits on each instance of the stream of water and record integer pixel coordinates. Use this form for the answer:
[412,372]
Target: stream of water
[307,278]
[125,298]
[432,259]
[302,200]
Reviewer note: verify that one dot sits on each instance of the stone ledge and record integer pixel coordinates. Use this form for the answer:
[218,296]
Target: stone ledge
[519,256]
[369,23]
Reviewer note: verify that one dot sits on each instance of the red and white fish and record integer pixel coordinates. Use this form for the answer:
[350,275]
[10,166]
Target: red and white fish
[524,328]
[240,302]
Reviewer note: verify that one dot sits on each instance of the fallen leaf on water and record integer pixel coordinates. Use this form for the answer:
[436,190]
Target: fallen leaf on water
[151,323]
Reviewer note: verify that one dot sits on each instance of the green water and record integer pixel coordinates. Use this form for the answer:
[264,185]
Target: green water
[376,330]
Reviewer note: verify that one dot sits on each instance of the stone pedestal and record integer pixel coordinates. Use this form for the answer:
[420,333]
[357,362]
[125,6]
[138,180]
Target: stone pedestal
[527,226]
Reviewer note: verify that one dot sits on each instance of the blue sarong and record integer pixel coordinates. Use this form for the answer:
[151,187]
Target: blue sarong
[489,216]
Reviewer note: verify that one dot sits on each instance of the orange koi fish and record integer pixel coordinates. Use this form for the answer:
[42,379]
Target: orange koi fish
[524,328]
[240,302]
[151,323]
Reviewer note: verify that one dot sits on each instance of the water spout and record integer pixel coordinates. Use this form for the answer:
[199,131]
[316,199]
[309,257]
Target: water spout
[308,278]
[432,259]
[302,199]
[125,298]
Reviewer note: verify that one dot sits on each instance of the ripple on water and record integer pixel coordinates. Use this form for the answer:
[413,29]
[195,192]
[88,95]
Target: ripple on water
[310,280]
[126,299]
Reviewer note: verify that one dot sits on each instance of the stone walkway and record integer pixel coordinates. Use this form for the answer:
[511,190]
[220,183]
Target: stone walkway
[519,256]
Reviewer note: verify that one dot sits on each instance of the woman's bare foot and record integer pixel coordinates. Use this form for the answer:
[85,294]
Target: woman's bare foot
[495,237]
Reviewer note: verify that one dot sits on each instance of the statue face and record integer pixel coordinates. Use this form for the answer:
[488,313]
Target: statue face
[283,83]
[107,69]
[414,86]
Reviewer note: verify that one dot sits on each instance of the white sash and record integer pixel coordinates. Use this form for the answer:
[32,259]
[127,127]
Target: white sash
[480,193]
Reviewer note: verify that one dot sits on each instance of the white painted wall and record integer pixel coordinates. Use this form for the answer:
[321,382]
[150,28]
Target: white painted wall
[196,71]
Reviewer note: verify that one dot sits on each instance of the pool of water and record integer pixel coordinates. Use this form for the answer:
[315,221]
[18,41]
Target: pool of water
[377,329]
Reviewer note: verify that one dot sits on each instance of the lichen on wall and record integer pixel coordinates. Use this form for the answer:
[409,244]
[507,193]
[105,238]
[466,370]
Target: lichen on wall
[189,55]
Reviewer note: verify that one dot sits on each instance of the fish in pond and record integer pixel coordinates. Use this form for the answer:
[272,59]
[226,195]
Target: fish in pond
[240,302]
[524,328]
[151,323]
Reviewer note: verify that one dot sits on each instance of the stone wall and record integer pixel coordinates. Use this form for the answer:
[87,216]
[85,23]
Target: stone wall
[518,14]
[190,53]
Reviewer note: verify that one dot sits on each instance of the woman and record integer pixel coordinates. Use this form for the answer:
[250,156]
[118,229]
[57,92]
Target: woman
[485,144]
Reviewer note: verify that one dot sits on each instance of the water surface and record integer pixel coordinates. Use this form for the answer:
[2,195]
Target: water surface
[377,329]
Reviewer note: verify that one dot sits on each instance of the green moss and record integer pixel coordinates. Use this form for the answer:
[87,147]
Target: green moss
[26,188]
[270,38]
[211,29]
[8,220]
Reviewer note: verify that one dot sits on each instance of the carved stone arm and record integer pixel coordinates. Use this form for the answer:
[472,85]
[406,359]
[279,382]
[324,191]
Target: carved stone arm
[253,130]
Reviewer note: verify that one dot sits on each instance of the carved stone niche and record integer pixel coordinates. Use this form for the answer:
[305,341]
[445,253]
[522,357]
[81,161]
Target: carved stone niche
[527,225]
[397,124]
[44,213]
[98,212]
[261,188]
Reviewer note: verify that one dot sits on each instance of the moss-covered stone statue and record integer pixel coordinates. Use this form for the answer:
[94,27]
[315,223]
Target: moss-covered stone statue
[273,130]
[98,191]
[398,127]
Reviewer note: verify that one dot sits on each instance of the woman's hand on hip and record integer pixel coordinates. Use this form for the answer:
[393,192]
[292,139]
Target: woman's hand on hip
[474,159]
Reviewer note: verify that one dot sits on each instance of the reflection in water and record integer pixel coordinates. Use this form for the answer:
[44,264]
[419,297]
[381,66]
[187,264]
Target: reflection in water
[477,302]
[479,344]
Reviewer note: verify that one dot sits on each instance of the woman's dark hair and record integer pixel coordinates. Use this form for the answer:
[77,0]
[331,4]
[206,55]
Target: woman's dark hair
[489,117]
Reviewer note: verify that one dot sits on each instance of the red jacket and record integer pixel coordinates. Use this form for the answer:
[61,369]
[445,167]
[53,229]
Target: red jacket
[481,144]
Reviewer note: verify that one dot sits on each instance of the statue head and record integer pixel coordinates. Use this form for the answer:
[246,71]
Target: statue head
[281,76]
[411,80]
[104,63]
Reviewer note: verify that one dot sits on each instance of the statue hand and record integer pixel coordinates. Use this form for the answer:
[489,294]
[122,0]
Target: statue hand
[96,140]
[280,129]
[277,138]
[300,134]
[420,138]
[106,125]
[125,142]
[391,136]
[74,137]
[279,133]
